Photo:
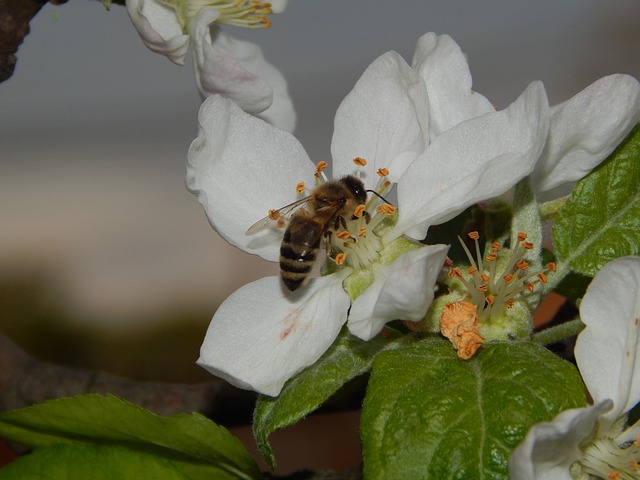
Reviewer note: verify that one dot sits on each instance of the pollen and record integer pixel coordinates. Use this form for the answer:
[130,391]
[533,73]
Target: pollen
[274,214]
[359,211]
[383,172]
[386,208]
[320,167]
[300,188]
[343,235]
[455,273]
[360,162]
[340,258]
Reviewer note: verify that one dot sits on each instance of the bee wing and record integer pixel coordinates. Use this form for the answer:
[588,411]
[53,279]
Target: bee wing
[277,218]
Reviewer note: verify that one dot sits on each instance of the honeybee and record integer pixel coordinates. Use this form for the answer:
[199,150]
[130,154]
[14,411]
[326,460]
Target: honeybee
[311,219]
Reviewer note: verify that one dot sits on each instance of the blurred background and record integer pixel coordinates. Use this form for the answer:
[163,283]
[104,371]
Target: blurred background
[106,261]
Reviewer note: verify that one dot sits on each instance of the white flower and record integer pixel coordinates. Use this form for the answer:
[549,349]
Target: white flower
[584,131]
[595,440]
[223,65]
[240,168]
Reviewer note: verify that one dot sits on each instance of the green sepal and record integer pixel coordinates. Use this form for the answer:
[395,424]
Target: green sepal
[601,220]
[347,358]
[428,414]
[189,442]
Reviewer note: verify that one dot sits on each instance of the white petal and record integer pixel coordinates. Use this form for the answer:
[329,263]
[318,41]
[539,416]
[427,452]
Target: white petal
[260,337]
[607,350]
[218,60]
[158,27]
[550,448]
[473,161]
[403,290]
[384,116]
[240,167]
[586,129]
[278,6]
[443,67]
[281,113]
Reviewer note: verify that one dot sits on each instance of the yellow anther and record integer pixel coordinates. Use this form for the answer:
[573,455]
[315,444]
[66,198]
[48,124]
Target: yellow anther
[386,208]
[474,235]
[489,299]
[508,303]
[633,466]
[542,277]
[455,273]
[362,232]
[266,23]
[522,236]
[320,167]
[496,246]
[300,188]
[527,245]
[551,266]
[359,211]
[383,172]
[530,286]
[343,235]
[360,162]
[340,258]
[482,288]
[522,264]
[471,270]
[491,257]
[484,277]
[614,476]
[508,278]
[274,214]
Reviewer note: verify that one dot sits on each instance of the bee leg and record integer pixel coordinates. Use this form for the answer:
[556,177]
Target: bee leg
[330,249]
[366,216]
[340,222]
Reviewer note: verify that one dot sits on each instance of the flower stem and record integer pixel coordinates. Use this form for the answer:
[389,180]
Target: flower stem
[549,210]
[559,332]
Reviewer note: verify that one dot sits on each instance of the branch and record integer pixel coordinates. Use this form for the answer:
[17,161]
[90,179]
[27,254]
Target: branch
[25,381]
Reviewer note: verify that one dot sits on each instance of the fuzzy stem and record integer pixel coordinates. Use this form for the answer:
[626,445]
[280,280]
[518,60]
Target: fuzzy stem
[559,332]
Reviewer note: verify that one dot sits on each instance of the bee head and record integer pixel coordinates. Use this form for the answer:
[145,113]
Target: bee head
[356,187]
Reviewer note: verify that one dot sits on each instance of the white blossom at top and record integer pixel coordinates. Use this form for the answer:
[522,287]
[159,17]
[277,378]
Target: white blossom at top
[223,65]
[442,162]
[595,441]
[584,131]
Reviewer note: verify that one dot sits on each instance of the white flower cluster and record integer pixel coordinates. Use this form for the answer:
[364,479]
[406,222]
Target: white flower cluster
[442,145]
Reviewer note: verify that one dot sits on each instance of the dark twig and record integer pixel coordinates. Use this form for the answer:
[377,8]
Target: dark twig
[25,381]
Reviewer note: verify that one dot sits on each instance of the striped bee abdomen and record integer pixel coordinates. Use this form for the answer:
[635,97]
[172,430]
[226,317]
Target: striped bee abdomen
[298,250]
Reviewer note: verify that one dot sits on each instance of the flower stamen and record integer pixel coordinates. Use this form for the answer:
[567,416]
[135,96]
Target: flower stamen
[493,292]
[239,13]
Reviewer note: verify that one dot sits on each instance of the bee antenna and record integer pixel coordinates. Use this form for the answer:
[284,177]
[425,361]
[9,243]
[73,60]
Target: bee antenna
[380,196]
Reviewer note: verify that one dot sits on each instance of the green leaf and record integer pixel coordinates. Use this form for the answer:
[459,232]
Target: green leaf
[347,358]
[100,420]
[601,220]
[430,415]
[104,462]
